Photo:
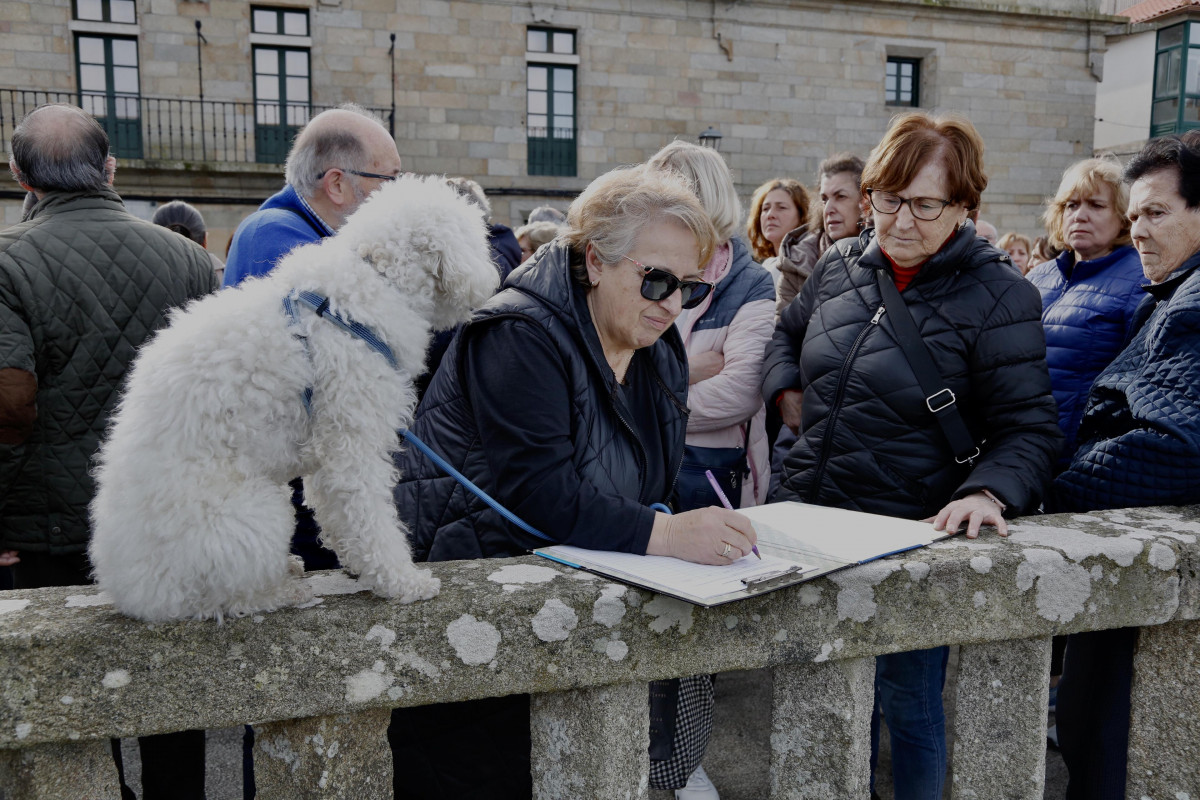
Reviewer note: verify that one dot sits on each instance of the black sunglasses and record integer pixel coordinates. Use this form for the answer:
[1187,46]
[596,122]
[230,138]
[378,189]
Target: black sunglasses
[658,284]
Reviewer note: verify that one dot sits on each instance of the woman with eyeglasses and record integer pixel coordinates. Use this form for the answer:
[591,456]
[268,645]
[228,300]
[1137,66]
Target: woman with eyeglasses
[869,439]
[565,399]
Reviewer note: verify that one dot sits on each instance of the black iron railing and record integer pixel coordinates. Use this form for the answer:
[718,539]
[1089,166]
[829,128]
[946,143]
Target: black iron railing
[171,129]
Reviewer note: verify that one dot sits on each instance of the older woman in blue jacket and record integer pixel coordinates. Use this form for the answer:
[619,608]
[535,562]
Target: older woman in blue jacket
[1091,290]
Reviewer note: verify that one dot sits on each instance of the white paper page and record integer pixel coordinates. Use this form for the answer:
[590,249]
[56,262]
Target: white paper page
[834,533]
[701,580]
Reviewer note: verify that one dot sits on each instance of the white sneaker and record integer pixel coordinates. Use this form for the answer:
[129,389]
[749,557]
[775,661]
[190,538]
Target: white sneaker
[699,787]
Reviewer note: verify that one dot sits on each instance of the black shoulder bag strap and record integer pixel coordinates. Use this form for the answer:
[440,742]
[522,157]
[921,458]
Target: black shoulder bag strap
[939,399]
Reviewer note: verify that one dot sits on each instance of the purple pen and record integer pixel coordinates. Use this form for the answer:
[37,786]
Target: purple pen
[725,502]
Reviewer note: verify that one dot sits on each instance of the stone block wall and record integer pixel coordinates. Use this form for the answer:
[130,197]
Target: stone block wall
[786,83]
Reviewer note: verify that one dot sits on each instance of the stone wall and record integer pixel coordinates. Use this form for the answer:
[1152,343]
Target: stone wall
[787,83]
[76,672]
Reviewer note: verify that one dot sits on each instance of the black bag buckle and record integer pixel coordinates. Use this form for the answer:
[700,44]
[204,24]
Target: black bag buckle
[929,400]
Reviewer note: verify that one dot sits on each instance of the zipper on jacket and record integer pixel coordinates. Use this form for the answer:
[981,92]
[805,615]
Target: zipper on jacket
[836,407]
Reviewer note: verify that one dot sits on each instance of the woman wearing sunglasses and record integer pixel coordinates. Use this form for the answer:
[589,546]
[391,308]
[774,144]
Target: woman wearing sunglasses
[565,399]
[869,439]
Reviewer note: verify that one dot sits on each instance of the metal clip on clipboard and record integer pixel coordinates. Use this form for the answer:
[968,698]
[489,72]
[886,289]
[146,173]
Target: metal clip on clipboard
[773,580]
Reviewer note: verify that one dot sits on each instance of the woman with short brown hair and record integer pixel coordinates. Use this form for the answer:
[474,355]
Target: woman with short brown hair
[868,437]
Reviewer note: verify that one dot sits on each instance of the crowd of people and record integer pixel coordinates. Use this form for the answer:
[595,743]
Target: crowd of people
[869,345]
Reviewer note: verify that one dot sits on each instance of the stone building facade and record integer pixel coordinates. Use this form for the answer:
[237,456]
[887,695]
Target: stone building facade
[534,100]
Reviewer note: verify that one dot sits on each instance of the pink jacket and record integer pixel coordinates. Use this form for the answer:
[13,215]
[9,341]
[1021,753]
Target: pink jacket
[736,320]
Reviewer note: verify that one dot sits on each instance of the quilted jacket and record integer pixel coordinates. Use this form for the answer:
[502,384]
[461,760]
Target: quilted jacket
[868,441]
[588,488]
[1141,429]
[735,320]
[82,284]
[1087,311]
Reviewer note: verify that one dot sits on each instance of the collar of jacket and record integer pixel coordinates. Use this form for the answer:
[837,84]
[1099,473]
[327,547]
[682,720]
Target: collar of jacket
[1078,270]
[1164,290]
[964,250]
[53,202]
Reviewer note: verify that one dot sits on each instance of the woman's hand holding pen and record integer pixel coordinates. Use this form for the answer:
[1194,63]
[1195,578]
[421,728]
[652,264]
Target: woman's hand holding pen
[705,536]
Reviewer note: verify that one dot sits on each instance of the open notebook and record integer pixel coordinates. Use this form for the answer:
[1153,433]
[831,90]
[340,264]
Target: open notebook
[798,542]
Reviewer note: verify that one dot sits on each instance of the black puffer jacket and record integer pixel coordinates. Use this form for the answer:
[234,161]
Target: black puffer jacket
[591,489]
[868,442]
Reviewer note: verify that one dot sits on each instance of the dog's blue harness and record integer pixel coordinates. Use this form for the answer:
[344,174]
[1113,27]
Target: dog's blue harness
[320,305]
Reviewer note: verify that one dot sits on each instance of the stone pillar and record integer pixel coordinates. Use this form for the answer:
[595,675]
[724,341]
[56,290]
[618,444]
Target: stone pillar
[591,742]
[60,771]
[1164,727]
[1000,726]
[344,757]
[821,730]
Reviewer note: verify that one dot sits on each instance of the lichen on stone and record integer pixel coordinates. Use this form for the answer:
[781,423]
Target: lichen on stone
[609,609]
[555,621]
[518,574]
[668,612]
[1062,587]
[475,642]
[856,600]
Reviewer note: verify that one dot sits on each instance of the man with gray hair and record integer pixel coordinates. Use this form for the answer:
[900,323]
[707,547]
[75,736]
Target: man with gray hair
[340,157]
[82,284]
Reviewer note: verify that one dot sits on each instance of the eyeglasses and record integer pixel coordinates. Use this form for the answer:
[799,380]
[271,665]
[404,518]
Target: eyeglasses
[924,208]
[374,175]
[658,284]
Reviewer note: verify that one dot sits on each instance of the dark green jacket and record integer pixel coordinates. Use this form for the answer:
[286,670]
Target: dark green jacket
[82,284]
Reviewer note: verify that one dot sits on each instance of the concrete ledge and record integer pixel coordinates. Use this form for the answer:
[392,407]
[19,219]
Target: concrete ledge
[75,669]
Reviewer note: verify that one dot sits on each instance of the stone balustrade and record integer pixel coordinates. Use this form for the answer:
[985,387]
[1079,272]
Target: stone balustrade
[318,681]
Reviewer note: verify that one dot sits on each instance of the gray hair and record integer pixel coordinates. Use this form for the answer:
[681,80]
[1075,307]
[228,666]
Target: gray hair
[547,214]
[60,152]
[473,192]
[710,179]
[320,147]
[612,211]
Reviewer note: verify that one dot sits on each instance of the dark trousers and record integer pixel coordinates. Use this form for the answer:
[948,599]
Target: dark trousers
[1093,712]
[473,750]
[172,763]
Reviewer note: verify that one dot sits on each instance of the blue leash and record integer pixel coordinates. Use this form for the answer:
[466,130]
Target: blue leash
[484,496]
[471,487]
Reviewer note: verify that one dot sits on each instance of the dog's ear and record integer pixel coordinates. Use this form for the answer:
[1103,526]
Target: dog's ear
[456,256]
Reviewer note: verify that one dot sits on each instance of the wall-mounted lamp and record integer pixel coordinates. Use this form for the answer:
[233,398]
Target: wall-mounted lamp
[711,138]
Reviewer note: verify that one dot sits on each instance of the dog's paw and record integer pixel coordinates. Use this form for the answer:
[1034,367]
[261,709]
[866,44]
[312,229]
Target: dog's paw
[295,565]
[414,585]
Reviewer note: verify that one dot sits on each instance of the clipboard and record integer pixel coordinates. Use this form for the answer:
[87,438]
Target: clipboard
[798,542]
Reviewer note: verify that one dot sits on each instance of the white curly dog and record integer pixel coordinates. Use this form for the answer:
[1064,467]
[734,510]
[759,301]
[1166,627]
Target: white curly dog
[192,516]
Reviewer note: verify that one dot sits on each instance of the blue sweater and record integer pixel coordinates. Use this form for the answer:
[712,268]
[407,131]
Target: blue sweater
[281,224]
[1087,310]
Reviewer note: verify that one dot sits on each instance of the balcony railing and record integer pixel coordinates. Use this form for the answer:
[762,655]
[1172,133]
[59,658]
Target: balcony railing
[318,682]
[172,129]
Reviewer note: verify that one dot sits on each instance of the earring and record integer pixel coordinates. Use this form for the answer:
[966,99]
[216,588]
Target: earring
[594,283]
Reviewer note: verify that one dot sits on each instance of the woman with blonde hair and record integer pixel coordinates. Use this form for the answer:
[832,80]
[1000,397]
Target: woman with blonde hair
[1019,248]
[921,282]
[1091,290]
[565,399]
[780,209]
